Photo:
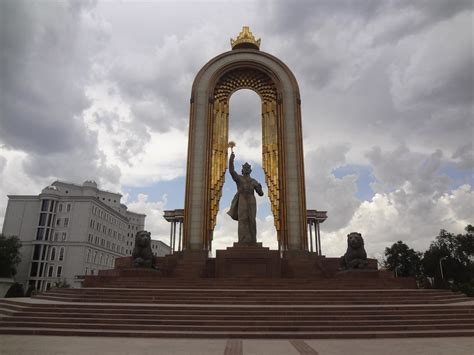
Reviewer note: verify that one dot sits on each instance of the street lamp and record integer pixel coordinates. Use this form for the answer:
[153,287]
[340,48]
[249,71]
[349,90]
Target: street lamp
[396,271]
[441,266]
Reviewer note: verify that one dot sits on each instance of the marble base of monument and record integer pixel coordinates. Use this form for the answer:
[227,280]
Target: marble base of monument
[242,261]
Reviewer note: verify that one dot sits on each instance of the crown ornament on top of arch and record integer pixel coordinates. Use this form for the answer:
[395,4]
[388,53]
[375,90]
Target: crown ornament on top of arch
[246,40]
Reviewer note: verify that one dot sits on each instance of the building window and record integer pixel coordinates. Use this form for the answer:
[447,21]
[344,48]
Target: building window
[58,221]
[42,219]
[87,270]
[44,255]
[101,261]
[61,254]
[63,236]
[36,253]
[88,257]
[51,271]
[56,236]
[66,222]
[39,234]
[59,271]
[95,257]
[53,253]
[44,205]
[50,220]
[68,209]
[60,208]
[34,269]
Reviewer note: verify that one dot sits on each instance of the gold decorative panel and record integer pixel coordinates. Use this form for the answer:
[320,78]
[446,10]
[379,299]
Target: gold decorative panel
[263,85]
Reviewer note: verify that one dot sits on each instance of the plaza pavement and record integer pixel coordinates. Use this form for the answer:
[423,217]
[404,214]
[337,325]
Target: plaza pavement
[52,345]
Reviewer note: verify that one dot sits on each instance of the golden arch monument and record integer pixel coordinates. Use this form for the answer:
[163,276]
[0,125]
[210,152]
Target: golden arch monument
[245,67]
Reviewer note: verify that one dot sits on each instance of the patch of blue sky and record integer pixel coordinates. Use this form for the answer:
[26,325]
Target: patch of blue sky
[458,177]
[364,179]
[173,189]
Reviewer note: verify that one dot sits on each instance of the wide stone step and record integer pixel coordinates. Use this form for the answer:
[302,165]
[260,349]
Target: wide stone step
[256,296]
[254,300]
[238,328]
[226,315]
[248,335]
[233,321]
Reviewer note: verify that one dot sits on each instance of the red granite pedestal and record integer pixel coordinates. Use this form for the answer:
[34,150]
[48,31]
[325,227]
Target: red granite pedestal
[248,262]
[254,265]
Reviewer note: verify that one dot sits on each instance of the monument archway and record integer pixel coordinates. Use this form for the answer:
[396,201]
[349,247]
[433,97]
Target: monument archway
[245,67]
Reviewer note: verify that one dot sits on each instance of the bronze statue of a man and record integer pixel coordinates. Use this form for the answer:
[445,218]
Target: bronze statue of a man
[244,206]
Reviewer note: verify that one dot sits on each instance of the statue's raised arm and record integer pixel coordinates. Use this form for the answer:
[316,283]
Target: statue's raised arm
[234,175]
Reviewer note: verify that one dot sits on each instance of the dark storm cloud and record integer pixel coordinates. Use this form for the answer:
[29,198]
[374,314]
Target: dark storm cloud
[464,156]
[157,81]
[287,18]
[41,84]
[307,33]
[46,51]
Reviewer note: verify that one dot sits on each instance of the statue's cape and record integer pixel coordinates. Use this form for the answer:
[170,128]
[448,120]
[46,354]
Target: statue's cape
[234,208]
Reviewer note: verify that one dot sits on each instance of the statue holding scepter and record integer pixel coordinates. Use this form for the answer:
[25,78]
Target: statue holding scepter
[244,206]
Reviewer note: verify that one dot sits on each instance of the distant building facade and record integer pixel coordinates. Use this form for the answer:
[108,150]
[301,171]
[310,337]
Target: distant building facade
[69,231]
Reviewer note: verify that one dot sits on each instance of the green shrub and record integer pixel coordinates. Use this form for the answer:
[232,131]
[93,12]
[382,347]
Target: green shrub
[31,291]
[15,290]
[466,288]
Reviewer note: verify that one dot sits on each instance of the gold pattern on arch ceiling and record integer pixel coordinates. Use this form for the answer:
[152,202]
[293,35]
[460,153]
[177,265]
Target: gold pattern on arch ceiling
[262,84]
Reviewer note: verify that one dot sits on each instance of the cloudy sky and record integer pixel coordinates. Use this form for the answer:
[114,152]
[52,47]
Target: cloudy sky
[99,90]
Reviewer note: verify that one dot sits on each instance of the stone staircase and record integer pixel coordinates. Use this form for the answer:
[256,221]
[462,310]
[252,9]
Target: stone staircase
[192,310]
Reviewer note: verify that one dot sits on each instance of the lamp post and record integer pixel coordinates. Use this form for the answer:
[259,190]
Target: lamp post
[396,271]
[441,266]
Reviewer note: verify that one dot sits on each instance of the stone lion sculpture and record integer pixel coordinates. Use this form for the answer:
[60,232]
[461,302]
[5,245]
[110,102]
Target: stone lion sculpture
[142,254]
[355,256]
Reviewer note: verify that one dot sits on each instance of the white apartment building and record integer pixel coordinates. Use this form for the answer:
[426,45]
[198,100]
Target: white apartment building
[69,231]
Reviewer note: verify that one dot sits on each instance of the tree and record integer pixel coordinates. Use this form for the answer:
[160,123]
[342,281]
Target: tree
[402,259]
[456,255]
[9,255]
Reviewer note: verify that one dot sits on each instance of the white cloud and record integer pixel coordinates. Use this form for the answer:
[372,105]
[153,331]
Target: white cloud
[326,192]
[413,202]
[386,219]
[154,221]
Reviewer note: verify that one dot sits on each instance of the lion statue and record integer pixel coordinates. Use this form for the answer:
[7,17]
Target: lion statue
[355,256]
[142,254]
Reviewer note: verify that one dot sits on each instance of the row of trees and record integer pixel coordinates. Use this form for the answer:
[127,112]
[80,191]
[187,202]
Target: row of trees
[9,255]
[448,262]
